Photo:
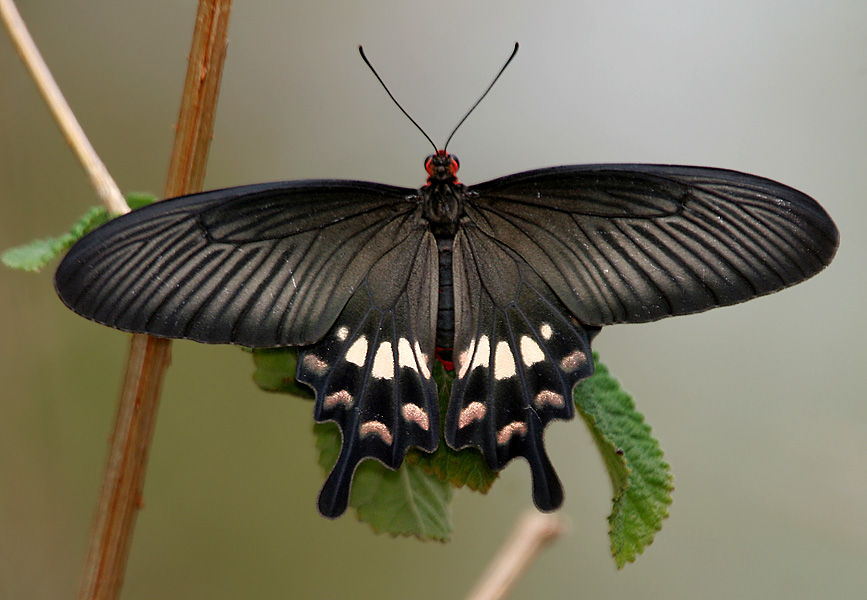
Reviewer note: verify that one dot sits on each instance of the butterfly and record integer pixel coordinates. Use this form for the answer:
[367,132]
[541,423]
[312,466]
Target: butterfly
[507,282]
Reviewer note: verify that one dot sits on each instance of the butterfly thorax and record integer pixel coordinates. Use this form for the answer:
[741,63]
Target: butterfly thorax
[443,194]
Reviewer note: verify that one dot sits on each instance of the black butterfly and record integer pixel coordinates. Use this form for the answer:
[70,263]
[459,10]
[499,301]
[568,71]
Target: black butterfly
[509,280]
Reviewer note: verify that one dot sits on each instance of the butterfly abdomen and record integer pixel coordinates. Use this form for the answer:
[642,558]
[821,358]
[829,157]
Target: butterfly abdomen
[445,335]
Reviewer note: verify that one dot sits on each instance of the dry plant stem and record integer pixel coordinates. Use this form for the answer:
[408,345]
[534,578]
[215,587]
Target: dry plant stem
[201,87]
[532,533]
[120,496]
[105,186]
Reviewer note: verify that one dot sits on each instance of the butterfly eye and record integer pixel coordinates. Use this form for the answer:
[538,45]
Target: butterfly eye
[455,164]
[428,164]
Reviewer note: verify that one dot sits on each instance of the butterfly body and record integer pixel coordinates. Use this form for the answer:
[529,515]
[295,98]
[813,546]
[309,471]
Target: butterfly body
[508,281]
[445,304]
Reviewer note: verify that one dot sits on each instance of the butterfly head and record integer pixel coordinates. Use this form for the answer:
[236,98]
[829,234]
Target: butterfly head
[442,167]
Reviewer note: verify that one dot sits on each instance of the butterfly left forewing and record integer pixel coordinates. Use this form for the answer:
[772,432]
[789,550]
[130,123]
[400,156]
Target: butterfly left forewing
[259,265]
[372,371]
[518,354]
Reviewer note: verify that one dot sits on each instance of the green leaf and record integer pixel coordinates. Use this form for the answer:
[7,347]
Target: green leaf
[38,253]
[275,371]
[403,502]
[641,479]
[460,468]
[409,501]
[137,200]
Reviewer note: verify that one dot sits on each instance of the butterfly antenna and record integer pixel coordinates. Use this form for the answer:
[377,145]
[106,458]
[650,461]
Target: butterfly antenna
[482,97]
[393,99]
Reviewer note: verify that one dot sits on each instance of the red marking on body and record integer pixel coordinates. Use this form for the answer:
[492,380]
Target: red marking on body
[448,365]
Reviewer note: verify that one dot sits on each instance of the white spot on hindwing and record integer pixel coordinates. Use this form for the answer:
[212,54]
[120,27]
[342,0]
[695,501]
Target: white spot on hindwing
[464,359]
[531,353]
[383,362]
[405,357]
[573,361]
[357,353]
[546,331]
[483,353]
[342,333]
[504,362]
[513,428]
[376,428]
[416,414]
[422,361]
[341,397]
[548,397]
[315,365]
[474,411]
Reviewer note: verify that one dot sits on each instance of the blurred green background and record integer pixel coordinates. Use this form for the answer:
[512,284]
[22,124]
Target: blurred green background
[760,408]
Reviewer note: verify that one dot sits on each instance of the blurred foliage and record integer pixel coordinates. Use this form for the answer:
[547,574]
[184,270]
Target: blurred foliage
[35,255]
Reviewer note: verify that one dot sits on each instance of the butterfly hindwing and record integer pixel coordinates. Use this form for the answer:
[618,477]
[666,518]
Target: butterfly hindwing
[635,243]
[372,371]
[518,354]
[260,265]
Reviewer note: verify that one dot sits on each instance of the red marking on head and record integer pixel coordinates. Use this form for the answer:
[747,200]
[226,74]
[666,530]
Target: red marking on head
[431,167]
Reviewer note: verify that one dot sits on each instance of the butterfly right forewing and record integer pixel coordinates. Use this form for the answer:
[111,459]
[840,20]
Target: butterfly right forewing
[635,243]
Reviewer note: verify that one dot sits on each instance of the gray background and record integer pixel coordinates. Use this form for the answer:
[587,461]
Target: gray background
[760,408]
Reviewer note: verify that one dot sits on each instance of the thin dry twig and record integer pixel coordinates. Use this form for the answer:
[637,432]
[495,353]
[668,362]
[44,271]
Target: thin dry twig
[120,497]
[99,176]
[532,533]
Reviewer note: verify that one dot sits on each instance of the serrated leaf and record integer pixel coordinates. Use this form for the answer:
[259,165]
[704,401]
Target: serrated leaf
[137,200]
[460,468]
[403,502]
[409,501]
[38,253]
[35,255]
[641,479]
[275,371]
